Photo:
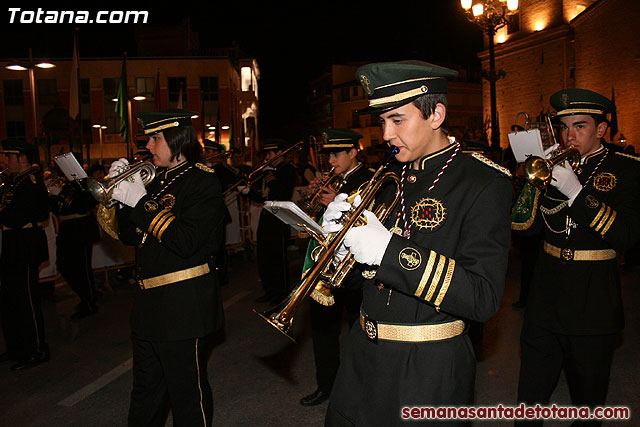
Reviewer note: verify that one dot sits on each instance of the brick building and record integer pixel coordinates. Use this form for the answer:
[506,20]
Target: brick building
[556,44]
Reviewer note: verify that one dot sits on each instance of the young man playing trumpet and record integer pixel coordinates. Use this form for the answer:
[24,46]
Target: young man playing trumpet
[341,145]
[574,309]
[438,261]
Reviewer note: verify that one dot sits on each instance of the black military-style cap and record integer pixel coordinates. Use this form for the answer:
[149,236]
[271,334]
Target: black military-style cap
[580,101]
[157,121]
[273,144]
[339,139]
[393,84]
[211,145]
[17,146]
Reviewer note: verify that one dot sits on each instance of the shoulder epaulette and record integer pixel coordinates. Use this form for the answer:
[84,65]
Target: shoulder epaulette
[372,170]
[629,156]
[490,163]
[205,168]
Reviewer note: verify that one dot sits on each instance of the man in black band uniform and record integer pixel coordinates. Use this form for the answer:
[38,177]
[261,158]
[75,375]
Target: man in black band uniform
[77,232]
[276,184]
[24,208]
[574,310]
[326,320]
[439,259]
[176,225]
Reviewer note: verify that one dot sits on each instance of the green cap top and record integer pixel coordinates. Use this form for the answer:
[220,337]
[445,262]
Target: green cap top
[580,101]
[339,139]
[392,84]
[17,146]
[157,121]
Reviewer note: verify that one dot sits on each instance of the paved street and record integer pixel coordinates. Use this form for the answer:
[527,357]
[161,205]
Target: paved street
[257,375]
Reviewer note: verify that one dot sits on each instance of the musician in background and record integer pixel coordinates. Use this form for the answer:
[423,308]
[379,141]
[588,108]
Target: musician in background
[439,260]
[77,233]
[342,147]
[176,224]
[276,183]
[24,209]
[574,311]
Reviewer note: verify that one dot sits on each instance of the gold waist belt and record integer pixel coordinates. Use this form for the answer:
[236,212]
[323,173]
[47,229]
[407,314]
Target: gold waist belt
[409,333]
[30,225]
[568,254]
[73,216]
[176,276]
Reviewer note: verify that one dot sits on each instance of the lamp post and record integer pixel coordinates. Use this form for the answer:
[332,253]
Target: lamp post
[100,128]
[30,67]
[491,15]
[131,136]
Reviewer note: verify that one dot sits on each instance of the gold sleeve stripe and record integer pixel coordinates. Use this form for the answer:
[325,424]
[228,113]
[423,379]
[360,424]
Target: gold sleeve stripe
[154,222]
[161,223]
[599,214]
[604,219]
[426,274]
[606,227]
[436,277]
[446,282]
[164,227]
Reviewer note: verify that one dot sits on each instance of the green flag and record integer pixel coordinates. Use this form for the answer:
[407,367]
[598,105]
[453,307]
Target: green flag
[121,105]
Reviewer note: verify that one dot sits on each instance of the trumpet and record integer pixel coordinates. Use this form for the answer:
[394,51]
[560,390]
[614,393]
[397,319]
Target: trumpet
[281,316]
[310,203]
[102,191]
[538,170]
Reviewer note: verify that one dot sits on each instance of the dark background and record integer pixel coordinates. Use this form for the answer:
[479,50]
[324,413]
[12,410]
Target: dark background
[292,44]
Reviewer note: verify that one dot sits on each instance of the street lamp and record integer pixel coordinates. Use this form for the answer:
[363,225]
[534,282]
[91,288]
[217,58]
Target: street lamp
[100,128]
[491,15]
[30,67]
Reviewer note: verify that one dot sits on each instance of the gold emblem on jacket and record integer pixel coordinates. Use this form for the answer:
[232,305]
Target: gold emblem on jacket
[168,201]
[409,259]
[604,181]
[150,206]
[428,213]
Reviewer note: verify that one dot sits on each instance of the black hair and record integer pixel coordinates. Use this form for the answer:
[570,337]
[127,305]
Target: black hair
[427,105]
[182,140]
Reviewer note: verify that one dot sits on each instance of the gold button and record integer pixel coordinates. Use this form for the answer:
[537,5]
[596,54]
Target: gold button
[412,179]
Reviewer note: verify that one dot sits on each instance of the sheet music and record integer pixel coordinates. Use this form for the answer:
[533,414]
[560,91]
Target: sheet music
[291,214]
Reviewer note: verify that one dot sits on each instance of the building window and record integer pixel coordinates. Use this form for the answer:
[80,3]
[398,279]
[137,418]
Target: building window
[344,94]
[175,83]
[15,130]
[47,91]
[514,23]
[12,90]
[355,91]
[145,86]
[209,88]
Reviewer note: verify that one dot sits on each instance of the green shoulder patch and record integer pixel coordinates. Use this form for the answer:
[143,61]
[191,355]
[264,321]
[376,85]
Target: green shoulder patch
[490,163]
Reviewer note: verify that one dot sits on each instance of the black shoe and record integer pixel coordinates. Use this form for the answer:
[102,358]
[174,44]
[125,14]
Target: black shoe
[35,359]
[264,298]
[84,311]
[315,398]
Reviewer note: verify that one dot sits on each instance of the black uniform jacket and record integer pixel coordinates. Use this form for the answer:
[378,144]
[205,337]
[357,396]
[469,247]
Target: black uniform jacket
[74,209]
[584,297]
[25,209]
[176,226]
[452,267]
[275,184]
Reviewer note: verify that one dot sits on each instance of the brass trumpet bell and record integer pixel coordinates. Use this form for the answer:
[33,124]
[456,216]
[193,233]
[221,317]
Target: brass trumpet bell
[538,171]
[102,191]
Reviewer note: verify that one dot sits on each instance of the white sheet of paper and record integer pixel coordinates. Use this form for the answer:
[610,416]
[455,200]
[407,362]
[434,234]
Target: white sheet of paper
[69,165]
[526,143]
[291,214]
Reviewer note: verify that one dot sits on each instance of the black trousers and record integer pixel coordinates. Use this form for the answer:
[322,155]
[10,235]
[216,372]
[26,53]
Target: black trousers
[587,362]
[170,374]
[326,322]
[74,263]
[22,320]
[272,254]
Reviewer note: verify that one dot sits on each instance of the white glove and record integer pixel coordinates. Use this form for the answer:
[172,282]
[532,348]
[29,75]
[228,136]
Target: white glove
[566,181]
[369,242]
[334,212]
[54,190]
[118,167]
[243,189]
[130,193]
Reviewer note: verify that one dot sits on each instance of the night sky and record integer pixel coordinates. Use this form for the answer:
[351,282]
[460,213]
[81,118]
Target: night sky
[291,44]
